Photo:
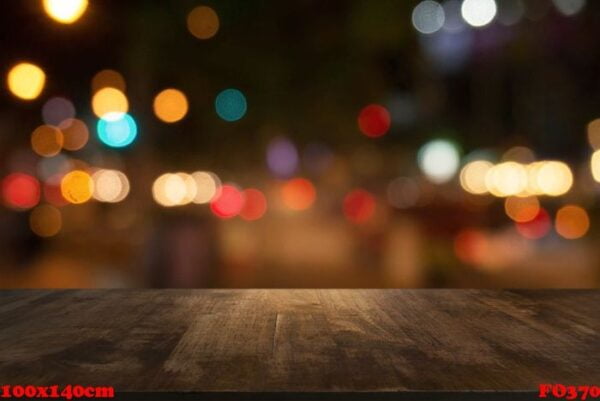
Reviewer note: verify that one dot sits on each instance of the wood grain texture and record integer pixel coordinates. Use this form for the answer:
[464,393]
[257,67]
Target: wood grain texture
[301,341]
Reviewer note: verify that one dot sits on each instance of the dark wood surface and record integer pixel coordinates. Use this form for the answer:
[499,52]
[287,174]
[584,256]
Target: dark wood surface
[374,342]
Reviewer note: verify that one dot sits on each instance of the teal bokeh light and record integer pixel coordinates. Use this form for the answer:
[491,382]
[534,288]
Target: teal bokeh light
[117,130]
[231,105]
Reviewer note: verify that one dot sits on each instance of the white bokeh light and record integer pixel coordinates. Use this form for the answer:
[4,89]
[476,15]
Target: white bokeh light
[428,17]
[478,13]
[569,7]
[439,160]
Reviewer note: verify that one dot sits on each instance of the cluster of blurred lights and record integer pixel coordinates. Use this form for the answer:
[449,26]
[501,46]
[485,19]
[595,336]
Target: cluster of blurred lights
[226,201]
[551,178]
[430,16]
[179,189]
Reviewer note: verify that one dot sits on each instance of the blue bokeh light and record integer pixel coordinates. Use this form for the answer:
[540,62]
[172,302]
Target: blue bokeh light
[117,130]
[231,105]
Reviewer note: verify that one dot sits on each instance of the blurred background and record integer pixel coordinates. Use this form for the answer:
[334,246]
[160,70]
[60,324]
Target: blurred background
[346,143]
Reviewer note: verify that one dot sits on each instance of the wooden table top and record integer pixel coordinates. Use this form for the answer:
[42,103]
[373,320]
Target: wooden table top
[262,344]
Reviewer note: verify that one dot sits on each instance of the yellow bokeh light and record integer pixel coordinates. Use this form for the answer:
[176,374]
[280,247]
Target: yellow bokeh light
[595,165]
[506,179]
[109,100]
[170,105]
[522,209]
[75,134]
[572,222]
[190,188]
[203,22]
[593,133]
[207,186]
[553,178]
[65,11]
[77,186]
[472,176]
[45,220]
[26,81]
[110,186]
[46,140]
[174,189]
[108,79]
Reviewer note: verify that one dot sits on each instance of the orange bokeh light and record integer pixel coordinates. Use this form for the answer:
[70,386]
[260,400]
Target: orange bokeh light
[298,194]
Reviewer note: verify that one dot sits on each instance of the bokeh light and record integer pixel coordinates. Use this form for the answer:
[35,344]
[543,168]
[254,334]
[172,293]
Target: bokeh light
[231,105]
[108,79]
[403,192]
[228,203]
[519,154]
[170,105]
[46,140]
[117,130]
[298,194]
[174,189]
[77,186]
[439,160]
[52,192]
[65,11]
[207,186]
[537,227]
[572,222]
[593,133]
[522,209]
[472,176]
[478,13]
[26,81]
[110,186]
[553,178]
[506,179]
[203,22]
[374,120]
[471,246]
[51,167]
[359,206]
[255,205]
[453,21]
[569,7]
[109,101]
[428,17]
[20,191]
[510,12]
[282,157]
[56,110]
[190,188]
[45,221]
[168,190]
[75,134]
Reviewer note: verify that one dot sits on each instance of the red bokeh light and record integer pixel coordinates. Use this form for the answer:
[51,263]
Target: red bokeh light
[359,206]
[21,191]
[298,194]
[255,205]
[374,120]
[471,246]
[228,203]
[536,228]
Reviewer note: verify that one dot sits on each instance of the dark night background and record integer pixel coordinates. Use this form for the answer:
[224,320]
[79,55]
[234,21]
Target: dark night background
[307,68]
